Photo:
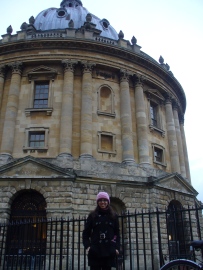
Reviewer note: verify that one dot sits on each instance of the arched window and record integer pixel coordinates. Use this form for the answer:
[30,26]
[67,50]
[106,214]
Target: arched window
[106,101]
[28,205]
[26,237]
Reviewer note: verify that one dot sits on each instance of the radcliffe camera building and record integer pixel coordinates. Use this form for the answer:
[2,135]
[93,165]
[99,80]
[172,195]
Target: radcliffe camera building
[84,110]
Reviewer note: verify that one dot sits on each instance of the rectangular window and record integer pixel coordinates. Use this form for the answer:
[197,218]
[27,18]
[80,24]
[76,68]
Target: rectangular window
[158,154]
[107,142]
[41,95]
[36,139]
[155,118]
[153,114]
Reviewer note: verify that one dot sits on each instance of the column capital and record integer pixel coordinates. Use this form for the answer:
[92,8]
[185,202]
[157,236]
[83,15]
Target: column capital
[168,98]
[2,70]
[125,75]
[69,65]
[139,79]
[87,66]
[17,67]
[175,104]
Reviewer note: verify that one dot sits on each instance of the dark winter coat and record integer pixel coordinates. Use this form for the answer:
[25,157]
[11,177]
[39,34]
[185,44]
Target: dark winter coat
[101,234]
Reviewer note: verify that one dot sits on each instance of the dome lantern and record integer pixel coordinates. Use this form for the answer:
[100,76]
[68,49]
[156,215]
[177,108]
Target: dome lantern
[71,3]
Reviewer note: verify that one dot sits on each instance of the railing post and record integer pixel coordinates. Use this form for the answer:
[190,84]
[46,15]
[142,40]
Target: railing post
[79,244]
[144,242]
[61,246]
[130,243]
[151,239]
[73,242]
[68,242]
[159,237]
[123,242]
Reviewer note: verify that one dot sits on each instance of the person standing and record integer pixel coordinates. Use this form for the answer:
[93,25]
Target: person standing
[101,237]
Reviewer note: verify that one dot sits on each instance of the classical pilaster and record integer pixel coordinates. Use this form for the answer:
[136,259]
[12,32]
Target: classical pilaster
[187,167]
[141,119]
[11,109]
[179,140]
[67,108]
[86,111]
[172,140]
[126,118]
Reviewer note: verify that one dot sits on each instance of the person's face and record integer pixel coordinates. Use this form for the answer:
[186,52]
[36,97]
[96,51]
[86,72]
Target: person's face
[103,203]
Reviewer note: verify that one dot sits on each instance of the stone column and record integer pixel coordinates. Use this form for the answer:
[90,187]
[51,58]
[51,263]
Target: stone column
[86,111]
[172,140]
[11,109]
[2,78]
[67,109]
[141,119]
[179,140]
[187,167]
[126,118]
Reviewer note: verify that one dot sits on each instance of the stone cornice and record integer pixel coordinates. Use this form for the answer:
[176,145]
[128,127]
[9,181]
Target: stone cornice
[66,173]
[94,46]
[42,70]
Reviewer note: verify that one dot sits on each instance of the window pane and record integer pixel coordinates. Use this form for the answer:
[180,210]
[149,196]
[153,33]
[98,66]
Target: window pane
[158,154]
[32,137]
[42,136]
[153,114]
[37,137]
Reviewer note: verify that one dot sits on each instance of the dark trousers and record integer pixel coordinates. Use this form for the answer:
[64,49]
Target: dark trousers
[100,268]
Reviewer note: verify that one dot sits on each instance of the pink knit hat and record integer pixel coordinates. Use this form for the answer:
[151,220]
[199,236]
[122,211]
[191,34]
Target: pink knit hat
[103,195]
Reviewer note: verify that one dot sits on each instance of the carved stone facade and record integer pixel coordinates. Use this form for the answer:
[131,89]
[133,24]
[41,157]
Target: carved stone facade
[81,112]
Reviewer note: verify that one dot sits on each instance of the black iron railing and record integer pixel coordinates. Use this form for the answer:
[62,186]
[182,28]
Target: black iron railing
[148,240]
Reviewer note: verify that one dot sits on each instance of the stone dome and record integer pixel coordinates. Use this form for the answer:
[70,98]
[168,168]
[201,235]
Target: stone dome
[72,14]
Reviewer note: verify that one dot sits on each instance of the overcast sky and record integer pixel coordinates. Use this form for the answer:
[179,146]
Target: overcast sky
[173,29]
